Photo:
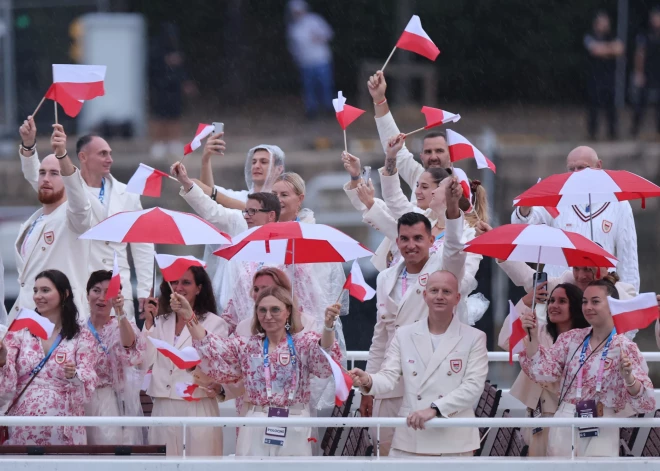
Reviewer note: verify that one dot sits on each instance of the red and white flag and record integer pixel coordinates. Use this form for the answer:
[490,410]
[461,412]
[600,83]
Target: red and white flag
[146,181]
[634,313]
[460,148]
[356,286]
[173,267]
[115,282]
[183,359]
[346,114]
[186,390]
[343,381]
[436,117]
[73,84]
[34,322]
[552,211]
[465,185]
[203,130]
[415,39]
[518,333]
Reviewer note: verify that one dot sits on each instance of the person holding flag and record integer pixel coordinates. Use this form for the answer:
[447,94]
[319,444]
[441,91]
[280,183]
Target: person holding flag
[601,373]
[49,377]
[564,313]
[121,351]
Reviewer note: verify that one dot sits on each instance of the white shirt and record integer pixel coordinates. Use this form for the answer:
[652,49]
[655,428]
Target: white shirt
[436,339]
[308,40]
[107,190]
[239,195]
[397,292]
[32,235]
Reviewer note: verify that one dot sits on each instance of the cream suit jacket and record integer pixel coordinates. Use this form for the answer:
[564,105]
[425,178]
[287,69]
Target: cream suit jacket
[412,306]
[452,377]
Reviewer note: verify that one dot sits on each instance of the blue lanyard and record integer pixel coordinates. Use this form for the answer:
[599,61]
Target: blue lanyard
[297,219]
[440,236]
[97,336]
[294,361]
[601,367]
[102,192]
[404,282]
[41,364]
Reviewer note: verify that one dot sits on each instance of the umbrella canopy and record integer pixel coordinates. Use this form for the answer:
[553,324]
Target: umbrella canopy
[157,226]
[293,242]
[540,244]
[588,186]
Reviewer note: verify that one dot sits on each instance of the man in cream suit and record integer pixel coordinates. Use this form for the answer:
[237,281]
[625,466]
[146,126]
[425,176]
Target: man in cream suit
[399,295]
[49,238]
[442,364]
[108,196]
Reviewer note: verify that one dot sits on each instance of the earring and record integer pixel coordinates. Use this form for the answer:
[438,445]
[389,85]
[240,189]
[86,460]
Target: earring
[287,326]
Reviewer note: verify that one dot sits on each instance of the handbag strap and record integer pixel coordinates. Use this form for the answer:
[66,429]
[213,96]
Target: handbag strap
[15,401]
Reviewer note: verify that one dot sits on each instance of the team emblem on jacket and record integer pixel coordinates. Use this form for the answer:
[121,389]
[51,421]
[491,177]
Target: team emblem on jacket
[49,237]
[60,358]
[607,226]
[423,279]
[456,365]
[284,358]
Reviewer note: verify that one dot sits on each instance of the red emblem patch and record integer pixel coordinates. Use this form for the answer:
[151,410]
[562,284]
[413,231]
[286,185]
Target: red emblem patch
[456,365]
[284,358]
[423,279]
[607,226]
[49,237]
[60,358]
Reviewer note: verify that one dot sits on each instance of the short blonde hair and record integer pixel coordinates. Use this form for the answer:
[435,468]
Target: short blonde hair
[295,180]
[284,297]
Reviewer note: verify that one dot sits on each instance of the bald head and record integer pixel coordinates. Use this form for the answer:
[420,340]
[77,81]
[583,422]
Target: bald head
[582,157]
[441,294]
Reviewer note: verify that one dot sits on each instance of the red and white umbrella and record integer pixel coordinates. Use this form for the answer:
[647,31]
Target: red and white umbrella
[157,226]
[293,242]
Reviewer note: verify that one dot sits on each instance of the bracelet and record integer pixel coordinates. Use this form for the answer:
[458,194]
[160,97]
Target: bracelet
[631,384]
[355,178]
[329,329]
[381,103]
[30,148]
[60,157]
[214,193]
[192,321]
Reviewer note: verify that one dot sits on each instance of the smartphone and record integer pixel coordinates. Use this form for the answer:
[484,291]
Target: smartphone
[541,278]
[366,174]
[218,128]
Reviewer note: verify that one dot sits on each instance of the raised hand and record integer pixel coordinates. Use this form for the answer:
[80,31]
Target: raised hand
[377,86]
[214,145]
[28,132]
[58,140]
[366,192]
[351,164]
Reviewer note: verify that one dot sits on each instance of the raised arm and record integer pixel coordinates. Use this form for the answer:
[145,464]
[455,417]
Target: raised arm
[626,247]
[453,256]
[387,377]
[28,152]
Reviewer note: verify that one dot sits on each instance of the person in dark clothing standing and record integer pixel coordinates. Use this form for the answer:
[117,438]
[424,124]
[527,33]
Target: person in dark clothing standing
[647,71]
[603,49]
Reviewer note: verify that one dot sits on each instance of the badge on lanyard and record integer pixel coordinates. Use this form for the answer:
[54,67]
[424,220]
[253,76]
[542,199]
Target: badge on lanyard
[587,409]
[276,435]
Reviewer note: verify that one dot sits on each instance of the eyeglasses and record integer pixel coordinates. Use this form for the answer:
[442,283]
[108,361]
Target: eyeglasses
[251,211]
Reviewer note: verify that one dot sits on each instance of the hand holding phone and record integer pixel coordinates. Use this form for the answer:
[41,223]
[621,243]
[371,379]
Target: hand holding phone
[218,128]
[366,174]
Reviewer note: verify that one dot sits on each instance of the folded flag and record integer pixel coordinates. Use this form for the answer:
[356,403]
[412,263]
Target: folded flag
[115,282]
[357,286]
[346,114]
[203,130]
[436,117]
[73,84]
[634,313]
[183,359]
[146,181]
[186,390]
[518,333]
[343,381]
[415,39]
[465,185]
[34,322]
[460,148]
[173,267]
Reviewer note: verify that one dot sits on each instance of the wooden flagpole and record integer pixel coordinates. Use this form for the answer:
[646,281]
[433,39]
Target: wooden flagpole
[38,106]
[388,59]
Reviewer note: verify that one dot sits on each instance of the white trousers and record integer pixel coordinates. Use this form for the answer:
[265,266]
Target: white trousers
[559,438]
[251,439]
[104,404]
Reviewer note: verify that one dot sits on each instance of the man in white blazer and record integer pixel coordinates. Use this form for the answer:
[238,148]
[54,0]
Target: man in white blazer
[49,238]
[399,295]
[442,364]
[108,196]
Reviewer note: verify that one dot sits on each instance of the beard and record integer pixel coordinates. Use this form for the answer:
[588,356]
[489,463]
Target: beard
[50,196]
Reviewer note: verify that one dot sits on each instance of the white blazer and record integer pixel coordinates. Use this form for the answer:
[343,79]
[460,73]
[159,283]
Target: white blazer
[452,377]
[58,246]
[412,307]
[101,253]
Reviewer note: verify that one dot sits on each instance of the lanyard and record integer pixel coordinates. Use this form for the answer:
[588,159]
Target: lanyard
[27,236]
[294,361]
[440,236]
[404,282]
[97,336]
[102,192]
[41,364]
[601,367]
[297,219]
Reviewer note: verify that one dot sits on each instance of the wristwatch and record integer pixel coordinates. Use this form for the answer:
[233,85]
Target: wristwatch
[437,410]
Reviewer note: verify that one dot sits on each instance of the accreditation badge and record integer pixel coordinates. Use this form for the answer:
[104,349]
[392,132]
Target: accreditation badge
[276,435]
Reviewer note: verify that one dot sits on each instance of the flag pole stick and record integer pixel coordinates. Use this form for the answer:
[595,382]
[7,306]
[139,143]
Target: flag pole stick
[55,103]
[413,132]
[388,59]
[172,178]
[339,297]
[345,143]
[538,264]
[38,106]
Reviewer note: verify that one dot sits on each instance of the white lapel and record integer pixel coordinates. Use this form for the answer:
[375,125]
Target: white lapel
[185,335]
[421,281]
[422,340]
[37,235]
[449,340]
[97,207]
[116,195]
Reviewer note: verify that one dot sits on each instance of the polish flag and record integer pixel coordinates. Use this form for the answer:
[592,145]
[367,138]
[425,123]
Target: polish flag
[634,313]
[346,114]
[415,39]
[356,286]
[460,148]
[73,84]
[343,381]
[203,130]
[174,267]
[518,333]
[186,390]
[115,282]
[183,359]
[34,322]
[465,185]
[146,181]
[552,211]
[436,117]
